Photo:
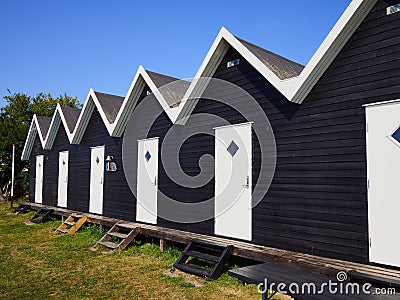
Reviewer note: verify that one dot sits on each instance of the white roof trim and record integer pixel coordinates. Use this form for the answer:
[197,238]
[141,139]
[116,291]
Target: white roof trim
[139,82]
[329,49]
[114,129]
[30,139]
[83,120]
[294,89]
[58,117]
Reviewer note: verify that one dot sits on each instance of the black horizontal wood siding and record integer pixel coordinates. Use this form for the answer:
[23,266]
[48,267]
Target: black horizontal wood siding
[36,150]
[50,181]
[317,202]
[118,200]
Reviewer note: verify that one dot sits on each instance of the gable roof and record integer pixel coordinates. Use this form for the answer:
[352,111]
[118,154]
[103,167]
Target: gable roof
[167,90]
[91,103]
[39,127]
[115,110]
[71,116]
[281,66]
[294,87]
[44,125]
[67,116]
[178,98]
[160,80]
[110,105]
[172,89]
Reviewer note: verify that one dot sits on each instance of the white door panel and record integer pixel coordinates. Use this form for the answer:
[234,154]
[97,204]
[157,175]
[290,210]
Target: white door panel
[383,156]
[39,179]
[96,180]
[233,181]
[147,181]
[62,179]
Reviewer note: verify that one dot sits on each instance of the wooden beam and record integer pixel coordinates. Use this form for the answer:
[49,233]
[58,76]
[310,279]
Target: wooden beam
[317,264]
[163,245]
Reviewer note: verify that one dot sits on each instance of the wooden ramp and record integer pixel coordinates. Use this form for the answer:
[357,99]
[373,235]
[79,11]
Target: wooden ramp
[118,237]
[72,224]
[307,262]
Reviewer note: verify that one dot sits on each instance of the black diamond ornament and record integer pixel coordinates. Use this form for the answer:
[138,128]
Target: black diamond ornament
[147,156]
[233,148]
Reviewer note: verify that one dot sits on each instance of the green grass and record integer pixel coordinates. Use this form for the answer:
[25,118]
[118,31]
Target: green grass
[36,263]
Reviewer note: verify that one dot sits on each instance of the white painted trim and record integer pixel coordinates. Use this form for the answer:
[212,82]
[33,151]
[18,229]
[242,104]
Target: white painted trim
[129,103]
[30,139]
[171,112]
[58,117]
[115,129]
[101,146]
[86,113]
[149,139]
[382,103]
[295,89]
[140,80]
[234,125]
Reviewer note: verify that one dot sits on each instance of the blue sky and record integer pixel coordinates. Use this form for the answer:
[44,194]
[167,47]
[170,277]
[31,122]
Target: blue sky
[71,46]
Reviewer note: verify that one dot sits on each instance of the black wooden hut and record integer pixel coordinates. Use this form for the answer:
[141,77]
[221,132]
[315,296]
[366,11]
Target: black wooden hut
[289,156]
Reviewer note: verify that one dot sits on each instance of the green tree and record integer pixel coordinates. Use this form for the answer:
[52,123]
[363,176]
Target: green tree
[44,104]
[15,119]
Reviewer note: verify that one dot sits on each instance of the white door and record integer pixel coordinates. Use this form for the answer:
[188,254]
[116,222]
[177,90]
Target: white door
[96,180]
[233,181]
[62,178]
[147,181]
[39,179]
[383,157]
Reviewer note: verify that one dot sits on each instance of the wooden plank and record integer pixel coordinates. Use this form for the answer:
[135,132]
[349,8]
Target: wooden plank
[317,264]
[277,273]
[74,228]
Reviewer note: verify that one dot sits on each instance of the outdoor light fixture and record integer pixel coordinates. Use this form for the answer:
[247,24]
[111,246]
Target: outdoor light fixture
[111,165]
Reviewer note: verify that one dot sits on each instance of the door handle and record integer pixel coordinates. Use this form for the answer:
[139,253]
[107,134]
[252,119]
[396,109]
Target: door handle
[155,181]
[101,180]
[247,184]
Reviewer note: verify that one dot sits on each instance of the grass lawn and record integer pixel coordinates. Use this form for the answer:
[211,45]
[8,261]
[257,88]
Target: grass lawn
[35,263]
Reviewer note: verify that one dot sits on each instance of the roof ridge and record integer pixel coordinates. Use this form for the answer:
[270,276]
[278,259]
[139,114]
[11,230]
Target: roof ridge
[69,107]
[43,117]
[160,74]
[108,94]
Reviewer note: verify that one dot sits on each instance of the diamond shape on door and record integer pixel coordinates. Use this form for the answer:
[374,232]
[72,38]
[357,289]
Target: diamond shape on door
[233,148]
[396,135]
[147,156]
